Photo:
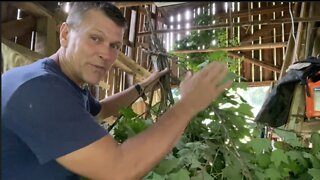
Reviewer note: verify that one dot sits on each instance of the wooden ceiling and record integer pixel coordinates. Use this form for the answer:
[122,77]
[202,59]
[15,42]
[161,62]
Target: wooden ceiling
[263,29]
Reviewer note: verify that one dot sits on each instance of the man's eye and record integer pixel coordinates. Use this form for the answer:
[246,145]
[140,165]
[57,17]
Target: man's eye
[95,38]
[116,46]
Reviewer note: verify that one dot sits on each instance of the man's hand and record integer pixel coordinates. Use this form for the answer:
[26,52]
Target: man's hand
[200,89]
[148,83]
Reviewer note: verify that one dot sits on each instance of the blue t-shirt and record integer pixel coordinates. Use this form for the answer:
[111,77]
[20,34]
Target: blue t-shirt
[45,115]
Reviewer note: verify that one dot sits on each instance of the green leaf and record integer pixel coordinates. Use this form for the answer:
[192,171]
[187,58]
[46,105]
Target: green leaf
[245,109]
[230,76]
[289,137]
[315,140]
[194,162]
[278,156]
[297,155]
[315,162]
[315,173]
[182,174]
[232,172]
[260,175]
[263,160]
[202,175]
[166,166]
[128,112]
[273,173]
[260,145]
[153,176]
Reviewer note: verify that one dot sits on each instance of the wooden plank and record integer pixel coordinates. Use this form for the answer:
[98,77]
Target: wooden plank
[267,37]
[263,31]
[224,25]
[263,64]
[15,55]
[245,66]
[279,51]
[259,83]
[311,126]
[4,11]
[256,52]
[237,48]
[130,4]
[297,110]
[33,8]
[17,27]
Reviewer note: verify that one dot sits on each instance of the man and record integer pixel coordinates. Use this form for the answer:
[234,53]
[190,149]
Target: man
[48,125]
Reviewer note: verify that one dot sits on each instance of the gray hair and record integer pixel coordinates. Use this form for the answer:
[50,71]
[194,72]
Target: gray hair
[79,9]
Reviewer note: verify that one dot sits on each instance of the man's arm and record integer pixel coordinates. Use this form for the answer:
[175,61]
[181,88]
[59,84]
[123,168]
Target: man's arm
[111,105]
[106,159]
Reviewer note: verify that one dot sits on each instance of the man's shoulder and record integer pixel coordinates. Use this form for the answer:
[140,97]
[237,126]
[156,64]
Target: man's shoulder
[32,79]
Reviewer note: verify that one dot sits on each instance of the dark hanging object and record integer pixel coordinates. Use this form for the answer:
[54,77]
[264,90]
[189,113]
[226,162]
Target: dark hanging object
[275,110]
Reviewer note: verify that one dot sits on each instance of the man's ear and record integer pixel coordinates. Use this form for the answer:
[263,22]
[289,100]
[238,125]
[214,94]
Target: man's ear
[64,32]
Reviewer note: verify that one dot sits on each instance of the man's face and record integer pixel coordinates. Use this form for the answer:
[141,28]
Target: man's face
[92,47]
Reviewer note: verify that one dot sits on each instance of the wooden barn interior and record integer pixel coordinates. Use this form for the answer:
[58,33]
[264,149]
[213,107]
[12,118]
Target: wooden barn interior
[271,36]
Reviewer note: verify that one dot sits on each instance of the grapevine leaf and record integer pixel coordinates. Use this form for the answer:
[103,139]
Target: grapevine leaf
[289,137]
[230,76]
[315,140]
[278,156]
[318,155]
[245,109]
[182,174]
[273,173]
[260,145]
[128,112]
[194,162]
[202,175]
[315,162]
[232,172]
[263,160]
[314,173]
[297,155]
[166,166]
[261,175]
[154,176]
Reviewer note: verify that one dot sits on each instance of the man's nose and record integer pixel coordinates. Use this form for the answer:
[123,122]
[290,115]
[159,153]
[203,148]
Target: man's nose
[106,53]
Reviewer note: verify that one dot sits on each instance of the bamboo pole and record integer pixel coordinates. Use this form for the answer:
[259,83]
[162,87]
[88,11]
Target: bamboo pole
[298,53]
[290,47]
[310,33]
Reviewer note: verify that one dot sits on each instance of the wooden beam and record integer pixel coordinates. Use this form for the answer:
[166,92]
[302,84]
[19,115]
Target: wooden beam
[140,72]
[15,55]
[154,16]
[288,56]
[245,13]
[18,27]
[255,61]
[238,48]
[264,29]
[224,25]
[33,8]
[258,83]
[130,4]
[261,11]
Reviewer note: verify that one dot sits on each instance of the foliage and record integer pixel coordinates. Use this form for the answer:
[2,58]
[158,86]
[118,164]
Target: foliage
[221,142]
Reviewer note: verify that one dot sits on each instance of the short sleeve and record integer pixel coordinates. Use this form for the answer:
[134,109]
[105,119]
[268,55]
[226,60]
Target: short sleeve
[50,117]
[95,106]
